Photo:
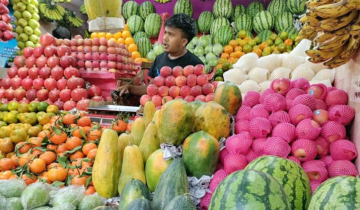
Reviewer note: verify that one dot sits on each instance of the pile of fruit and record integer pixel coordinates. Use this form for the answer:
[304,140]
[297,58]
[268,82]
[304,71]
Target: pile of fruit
[190,84]
[6,29]
[27,23]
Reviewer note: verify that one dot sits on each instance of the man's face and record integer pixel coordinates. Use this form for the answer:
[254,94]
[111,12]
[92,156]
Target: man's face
[173,40]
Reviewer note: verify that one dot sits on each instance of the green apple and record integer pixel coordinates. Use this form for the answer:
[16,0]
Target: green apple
[37,32]
[34,2]
[17,38]
[20,7]
[37,45]
[34,24]
[36,16]
[17,14]
[15,1]
[19,52]
[26,15]
[19,30]
[23,37]
[33,38]
[31,8]
[30,44]
[28,30]
[22,22]
[21,44]
[25,1]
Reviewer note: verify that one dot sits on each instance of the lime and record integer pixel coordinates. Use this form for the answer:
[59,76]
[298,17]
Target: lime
[23,107]
[4,107]
[18,135]
[34,131]
[33,106]
[242,34]
[257,40]
[282,47]
[13,105]
[2,114]
[273,37]
[284,35]
[268,49]
[293,37]
[42,106]
[52,109]
[243,43]
[225,66]
[252,43]
[219,79]
[278,41]
[289,48]
[10,118]
[265,53]
[247,48]
[276,52]
[30,118]
[219,72]
[5,131]
[270,42]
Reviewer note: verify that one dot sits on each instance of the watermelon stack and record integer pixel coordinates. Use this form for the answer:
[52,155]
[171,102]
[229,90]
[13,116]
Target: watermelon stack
[237,11]
[282,21]
[243,22]
[218,22]
[146,8]
[263,21]
[130,8]
[153,25]
[204,22]
[222,8]
[277,7]
[223,35]
[135,23]
[144,46]
[183,6]
[254,8]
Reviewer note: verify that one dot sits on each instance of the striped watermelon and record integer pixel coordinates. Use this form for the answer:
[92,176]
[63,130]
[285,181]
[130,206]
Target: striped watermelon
[223,35]
[146,8]
[340,192]
[152,25]
[218,22]
[135,23]
[291,30]
[222,8]
[183,6]
[297,7]
[249,189]
[276,7]
[196,27]
[140,34]
[237,11]
[265,35]
[205,20]
[291,177]
[130,8]
[254,7]
[263,21]
[283,21]
[144,46]
[243,22]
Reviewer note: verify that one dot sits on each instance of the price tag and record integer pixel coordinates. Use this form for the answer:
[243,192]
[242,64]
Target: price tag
[354,90]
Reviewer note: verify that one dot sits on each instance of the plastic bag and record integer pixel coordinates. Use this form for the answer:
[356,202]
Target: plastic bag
[91,201]
[64,206]
[12,188]
[36,195]
[2,202]
[71,194]
[13,204]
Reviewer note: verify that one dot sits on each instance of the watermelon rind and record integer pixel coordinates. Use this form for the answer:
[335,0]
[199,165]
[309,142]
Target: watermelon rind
[243,22]
[135,23]
[152,25]
[263,21]
[146,8]
[205,20]
[254,7]
[222,8]
[184,6]
[130,8]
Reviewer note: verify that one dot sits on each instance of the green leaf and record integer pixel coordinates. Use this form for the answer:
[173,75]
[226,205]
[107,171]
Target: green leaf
[63,161]
[56,130]
[68,180]
[86,160]
[42,149]
[57,184]
[45,141]
[73,150]
[83,134]
[88,180]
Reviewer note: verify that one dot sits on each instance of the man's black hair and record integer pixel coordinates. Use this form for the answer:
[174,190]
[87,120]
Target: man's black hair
[183,22]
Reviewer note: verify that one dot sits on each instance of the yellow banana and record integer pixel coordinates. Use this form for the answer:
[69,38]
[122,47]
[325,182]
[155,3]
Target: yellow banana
[333,24]
[315,3]
[335,43]
[316,53]
[337,9]
[355,27]
[325,36]
[317,60]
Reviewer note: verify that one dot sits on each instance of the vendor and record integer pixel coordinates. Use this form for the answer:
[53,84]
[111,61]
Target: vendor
[179,31]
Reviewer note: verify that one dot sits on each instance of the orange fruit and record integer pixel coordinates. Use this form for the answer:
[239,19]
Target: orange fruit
[120,41]
[238,54]
[126,34]
[94,35]
[228,49]
[233,43]
[135,55]
[129,40]
[225,55]
[117,35]
[101,34]
[126,28]
[108,36]
[138,60]
[132,47]
[238,48]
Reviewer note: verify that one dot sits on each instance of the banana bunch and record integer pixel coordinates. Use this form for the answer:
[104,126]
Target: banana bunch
[72,20]
[51,10]
[334,26]
[162,1]
[83,9]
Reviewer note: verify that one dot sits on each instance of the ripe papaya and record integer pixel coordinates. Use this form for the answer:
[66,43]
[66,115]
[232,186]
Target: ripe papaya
[213,119]
[150,141]
[137,130]
[175,122]
[132,166]
[149,111]
[106,169]
[229,96]
[123,141]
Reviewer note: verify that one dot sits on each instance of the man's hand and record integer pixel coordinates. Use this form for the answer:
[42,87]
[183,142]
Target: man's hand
[123,90]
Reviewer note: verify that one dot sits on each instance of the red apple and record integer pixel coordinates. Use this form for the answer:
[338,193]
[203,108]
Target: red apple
[199,69]
[281,85]
[191,80]
[202,79]
[189,98]
[188,70]
[316,91]
[185,91]
[208,88]
[165,71]
[170,81]
[163,91]
[144,99]
[180,81]
[200,98]
[166,99]
[159,81]
[174,91]
[195,91]
[152,90]
[177,71]
[209,97]
[157,100]
[178,97]
[321,116]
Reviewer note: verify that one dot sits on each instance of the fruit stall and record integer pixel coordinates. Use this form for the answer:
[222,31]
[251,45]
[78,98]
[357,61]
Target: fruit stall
[268,121]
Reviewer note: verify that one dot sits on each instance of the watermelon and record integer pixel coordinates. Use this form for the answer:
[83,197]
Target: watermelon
[237,11]
[263,21]
[135,23]
[144,46]
[222,8]
[283,21]
[181,202]
[265,35]
[291,30]
[243,22]
[297,7]
[254,7]
[153,25]
[130,8]
[218,22]
[291,177]
[183,6]
[140,34]
[146,8]
[196,27]
[276,7]
[223,35]
[249,189]
[133,189]
[205,20]
[337,193]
